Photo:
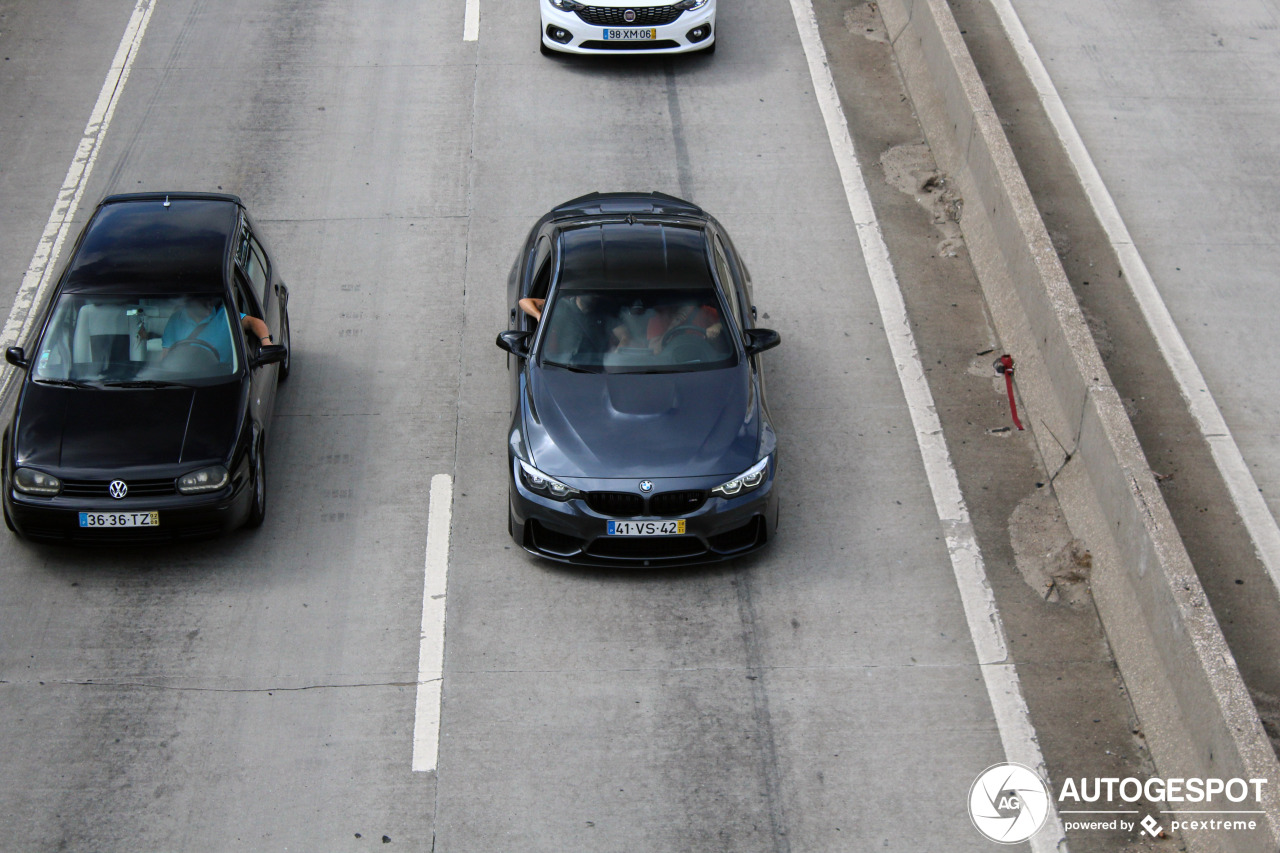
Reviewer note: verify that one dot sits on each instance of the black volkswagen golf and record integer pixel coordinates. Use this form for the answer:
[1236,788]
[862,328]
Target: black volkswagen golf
[639,434]
[147,400]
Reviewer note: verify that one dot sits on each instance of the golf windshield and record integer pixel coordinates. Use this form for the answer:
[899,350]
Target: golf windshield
[635,331]
[122,340]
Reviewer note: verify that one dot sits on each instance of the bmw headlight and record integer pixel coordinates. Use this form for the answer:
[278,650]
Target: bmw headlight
[205,480]
[33,482]
[573,5]
[536,481]
[685,5]
[744,482]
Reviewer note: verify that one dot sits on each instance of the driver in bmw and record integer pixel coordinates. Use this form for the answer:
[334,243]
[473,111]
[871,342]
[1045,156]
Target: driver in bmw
[670,318]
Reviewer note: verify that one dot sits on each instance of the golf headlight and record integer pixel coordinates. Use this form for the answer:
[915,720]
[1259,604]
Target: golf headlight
[205,480]
[685,5]
[572,5]
[536,481]
[33,482]
[744,482]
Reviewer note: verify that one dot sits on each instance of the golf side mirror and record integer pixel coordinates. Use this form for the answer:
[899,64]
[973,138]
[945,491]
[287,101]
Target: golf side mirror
[270,354]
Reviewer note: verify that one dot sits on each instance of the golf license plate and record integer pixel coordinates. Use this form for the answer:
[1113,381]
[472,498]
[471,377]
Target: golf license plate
[120,519]
[670,527]
[633,34]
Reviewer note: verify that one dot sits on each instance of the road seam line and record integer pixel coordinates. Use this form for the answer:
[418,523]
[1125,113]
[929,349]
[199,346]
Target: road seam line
[36,280]
[1243,488]
[1017,734]
[426,717]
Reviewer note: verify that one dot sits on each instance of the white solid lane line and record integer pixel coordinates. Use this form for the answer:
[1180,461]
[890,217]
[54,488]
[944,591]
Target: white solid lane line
[1248,500]
[471,23]
[1017,735]
[37,278]
[426,717]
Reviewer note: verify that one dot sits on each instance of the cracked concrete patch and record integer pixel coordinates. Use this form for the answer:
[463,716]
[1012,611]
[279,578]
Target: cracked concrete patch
[910,168]
[864,20]
[1051,561]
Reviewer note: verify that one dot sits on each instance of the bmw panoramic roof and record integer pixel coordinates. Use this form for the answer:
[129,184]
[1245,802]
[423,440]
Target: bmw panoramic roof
[634,254]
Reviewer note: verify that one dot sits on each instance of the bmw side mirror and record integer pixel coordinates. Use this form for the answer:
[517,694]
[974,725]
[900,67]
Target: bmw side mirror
[270,354]
[16,357]
[514,342]
[759,340]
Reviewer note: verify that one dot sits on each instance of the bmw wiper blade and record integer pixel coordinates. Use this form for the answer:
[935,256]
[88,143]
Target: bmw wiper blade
[575,368]
[66,383]
[145,383]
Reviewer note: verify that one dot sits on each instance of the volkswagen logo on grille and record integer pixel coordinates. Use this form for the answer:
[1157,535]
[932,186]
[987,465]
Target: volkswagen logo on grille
[629,16]
[646,486]
[118,489]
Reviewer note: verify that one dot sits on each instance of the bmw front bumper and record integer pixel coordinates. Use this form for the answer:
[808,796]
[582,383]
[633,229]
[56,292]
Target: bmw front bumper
[576,531]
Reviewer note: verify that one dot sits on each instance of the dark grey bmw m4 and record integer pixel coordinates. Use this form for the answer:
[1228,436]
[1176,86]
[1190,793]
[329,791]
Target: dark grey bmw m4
[640,434]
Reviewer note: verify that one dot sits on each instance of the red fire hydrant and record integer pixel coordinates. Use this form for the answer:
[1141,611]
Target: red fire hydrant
[1004,364]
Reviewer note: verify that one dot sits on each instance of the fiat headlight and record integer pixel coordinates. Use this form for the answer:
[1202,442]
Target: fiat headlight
[685,5]
[572,5]
[33,482]
[744,482]
[536,481]
[205,480]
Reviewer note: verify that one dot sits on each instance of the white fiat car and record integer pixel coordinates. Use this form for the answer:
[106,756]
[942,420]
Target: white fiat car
[628,26]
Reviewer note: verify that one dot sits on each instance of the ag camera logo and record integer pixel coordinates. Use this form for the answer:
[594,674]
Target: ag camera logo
[1008,803]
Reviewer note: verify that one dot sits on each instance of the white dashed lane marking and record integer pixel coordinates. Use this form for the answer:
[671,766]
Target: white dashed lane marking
[471,22]
[426,718]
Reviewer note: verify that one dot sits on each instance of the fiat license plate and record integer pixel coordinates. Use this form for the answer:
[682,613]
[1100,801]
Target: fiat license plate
[644,34]
[672,527]
[120,519]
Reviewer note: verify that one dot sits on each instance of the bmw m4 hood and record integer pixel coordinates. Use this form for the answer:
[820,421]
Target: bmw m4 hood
[604,425]
[84,429]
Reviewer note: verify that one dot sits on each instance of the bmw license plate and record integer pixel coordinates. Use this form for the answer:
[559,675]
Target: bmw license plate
[642,34]
[120,519]
[671,527]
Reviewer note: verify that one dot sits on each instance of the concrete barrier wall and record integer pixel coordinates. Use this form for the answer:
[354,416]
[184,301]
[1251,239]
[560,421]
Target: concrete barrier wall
[1196,713]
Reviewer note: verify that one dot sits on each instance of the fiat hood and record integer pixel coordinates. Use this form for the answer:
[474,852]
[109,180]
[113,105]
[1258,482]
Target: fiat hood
[617,425]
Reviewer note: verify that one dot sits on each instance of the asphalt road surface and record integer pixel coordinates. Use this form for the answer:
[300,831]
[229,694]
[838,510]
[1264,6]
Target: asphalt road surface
[258,691]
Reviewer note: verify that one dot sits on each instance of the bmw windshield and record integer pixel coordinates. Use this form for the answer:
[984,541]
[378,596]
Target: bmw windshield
[665,330]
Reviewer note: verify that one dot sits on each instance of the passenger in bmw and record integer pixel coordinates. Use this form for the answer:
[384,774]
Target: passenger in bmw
[532,306]
[580,328]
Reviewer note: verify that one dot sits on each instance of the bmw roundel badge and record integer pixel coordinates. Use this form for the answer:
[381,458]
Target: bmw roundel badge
[646,486]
